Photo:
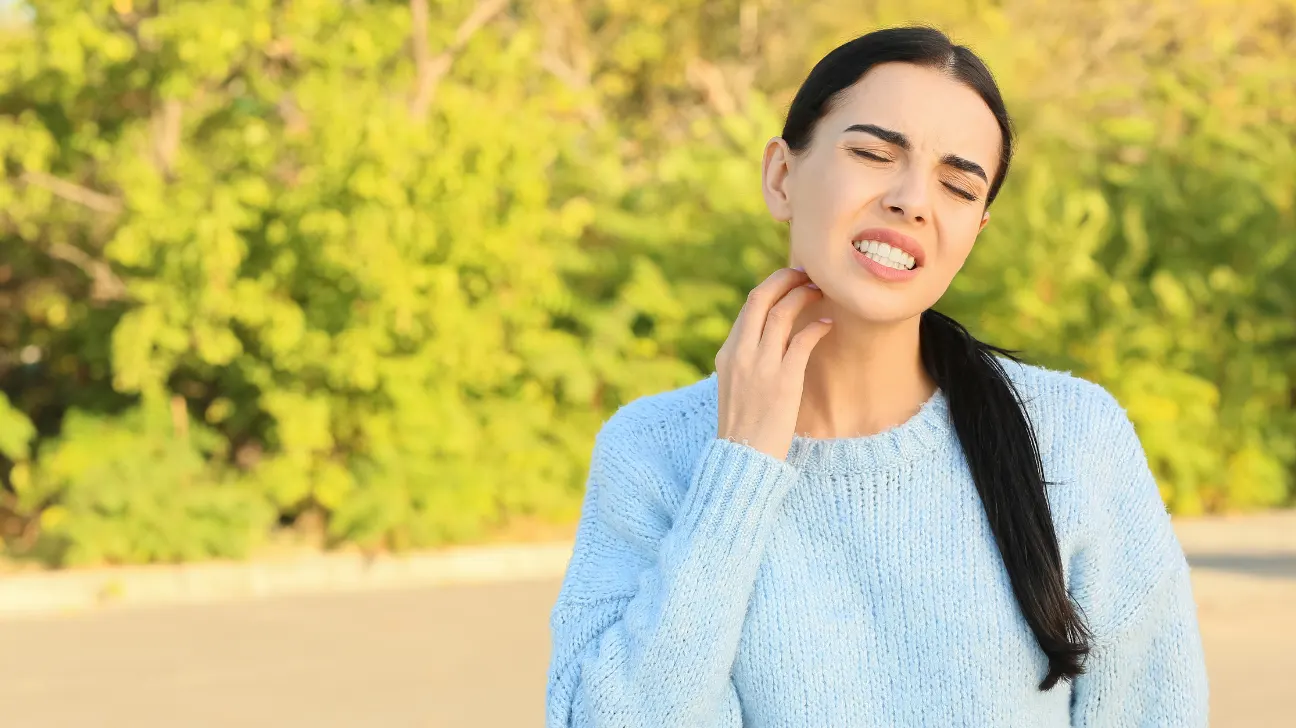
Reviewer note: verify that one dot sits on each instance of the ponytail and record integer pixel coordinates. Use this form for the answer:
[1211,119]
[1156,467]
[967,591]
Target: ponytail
[1004,459]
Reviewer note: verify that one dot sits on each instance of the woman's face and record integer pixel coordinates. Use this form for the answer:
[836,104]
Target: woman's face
[905,159]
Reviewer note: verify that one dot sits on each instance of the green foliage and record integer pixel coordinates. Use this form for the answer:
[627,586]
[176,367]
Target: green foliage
[401,295]
[130,489]
[16,432]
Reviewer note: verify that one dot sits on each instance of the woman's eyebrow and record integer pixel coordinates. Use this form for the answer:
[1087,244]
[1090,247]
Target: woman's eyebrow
[891,136]
[886,135]
[965,165]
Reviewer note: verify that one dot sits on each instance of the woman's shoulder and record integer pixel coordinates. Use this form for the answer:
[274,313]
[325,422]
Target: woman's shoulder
[1071,415]
[1109,495]
[1118,543]
[1056,388]
[667,415]
[663,431]
[644,453]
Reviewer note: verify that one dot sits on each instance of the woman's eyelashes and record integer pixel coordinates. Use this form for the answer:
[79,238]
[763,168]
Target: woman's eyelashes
[871,156]
[965,194]
[955,189]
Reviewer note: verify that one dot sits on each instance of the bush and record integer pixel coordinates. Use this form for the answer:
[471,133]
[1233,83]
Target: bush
[264,266]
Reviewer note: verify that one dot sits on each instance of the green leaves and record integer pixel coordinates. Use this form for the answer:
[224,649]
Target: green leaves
[408,323]
[133,489]
[16,432]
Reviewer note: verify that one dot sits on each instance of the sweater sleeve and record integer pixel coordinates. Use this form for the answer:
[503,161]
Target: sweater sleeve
[1146,667]
[649,616]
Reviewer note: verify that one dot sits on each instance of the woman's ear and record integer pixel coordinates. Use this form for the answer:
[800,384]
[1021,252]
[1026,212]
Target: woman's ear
[985,218]
[775,178]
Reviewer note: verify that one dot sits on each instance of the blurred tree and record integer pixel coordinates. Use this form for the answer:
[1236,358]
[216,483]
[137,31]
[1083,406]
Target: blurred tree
[387,265]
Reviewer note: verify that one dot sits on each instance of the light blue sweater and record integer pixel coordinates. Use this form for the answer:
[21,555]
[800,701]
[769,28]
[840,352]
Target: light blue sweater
[857,583]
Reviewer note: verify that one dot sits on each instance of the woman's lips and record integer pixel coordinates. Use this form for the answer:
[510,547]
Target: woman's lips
[881,271]
[895,239]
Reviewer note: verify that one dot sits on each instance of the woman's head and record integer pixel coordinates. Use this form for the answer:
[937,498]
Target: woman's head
[896,136]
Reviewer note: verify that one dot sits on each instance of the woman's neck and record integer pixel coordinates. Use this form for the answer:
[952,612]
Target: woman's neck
[862,379]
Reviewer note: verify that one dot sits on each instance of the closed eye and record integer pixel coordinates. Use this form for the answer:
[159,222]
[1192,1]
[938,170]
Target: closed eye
[970,197]
[869,155]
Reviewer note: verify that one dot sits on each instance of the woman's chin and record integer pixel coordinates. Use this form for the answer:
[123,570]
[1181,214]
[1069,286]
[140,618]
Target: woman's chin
[880,310]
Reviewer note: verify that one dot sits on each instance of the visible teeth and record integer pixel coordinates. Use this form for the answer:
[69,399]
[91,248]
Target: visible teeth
[888,262]
[885,254]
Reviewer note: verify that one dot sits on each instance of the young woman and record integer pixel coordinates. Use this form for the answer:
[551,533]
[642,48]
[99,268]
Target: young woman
[866,517]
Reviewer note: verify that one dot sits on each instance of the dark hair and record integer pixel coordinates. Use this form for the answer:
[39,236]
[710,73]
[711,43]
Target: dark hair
[992,425]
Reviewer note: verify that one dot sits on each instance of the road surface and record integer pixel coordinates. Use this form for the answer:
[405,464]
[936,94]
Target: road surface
[476,656]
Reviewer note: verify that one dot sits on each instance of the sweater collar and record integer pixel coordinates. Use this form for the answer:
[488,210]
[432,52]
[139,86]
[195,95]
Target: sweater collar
[919,436]
[923,434]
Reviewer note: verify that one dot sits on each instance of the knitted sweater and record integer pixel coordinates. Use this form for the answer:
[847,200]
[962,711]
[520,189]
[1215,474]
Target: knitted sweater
[857,582]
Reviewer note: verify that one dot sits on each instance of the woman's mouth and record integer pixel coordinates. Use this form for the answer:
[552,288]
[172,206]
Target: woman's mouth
[885,255]
[884,261]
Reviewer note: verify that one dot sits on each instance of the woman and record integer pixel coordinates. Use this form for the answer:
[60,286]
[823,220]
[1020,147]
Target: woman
[952,539]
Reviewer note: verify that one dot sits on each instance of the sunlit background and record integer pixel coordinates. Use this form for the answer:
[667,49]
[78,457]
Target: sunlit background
[290,275]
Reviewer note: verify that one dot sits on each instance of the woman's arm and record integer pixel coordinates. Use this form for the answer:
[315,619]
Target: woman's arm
[647,623]
[1147,666]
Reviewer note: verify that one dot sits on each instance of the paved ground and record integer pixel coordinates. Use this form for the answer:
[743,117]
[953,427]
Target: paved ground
[476,656]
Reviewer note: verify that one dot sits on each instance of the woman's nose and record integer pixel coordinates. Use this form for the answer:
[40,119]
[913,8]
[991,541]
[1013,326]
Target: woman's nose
[908,199]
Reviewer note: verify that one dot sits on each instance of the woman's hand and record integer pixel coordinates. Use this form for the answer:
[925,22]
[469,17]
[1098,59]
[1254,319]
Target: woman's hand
[761,372]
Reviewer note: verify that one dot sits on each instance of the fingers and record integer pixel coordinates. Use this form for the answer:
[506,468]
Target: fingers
[798,351]
[750,324]
[781,318]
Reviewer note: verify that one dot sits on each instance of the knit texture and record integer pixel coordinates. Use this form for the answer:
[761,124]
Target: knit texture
[857,583]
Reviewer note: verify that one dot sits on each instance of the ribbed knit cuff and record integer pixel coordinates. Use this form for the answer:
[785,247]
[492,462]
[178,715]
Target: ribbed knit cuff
[733,496]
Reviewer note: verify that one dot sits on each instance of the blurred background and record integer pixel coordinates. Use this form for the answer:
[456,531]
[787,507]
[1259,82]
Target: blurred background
[367,275]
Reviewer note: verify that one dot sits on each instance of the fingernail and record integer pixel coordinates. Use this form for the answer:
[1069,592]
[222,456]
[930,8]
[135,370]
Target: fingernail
[826,320]
[799,268]
[812,286]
